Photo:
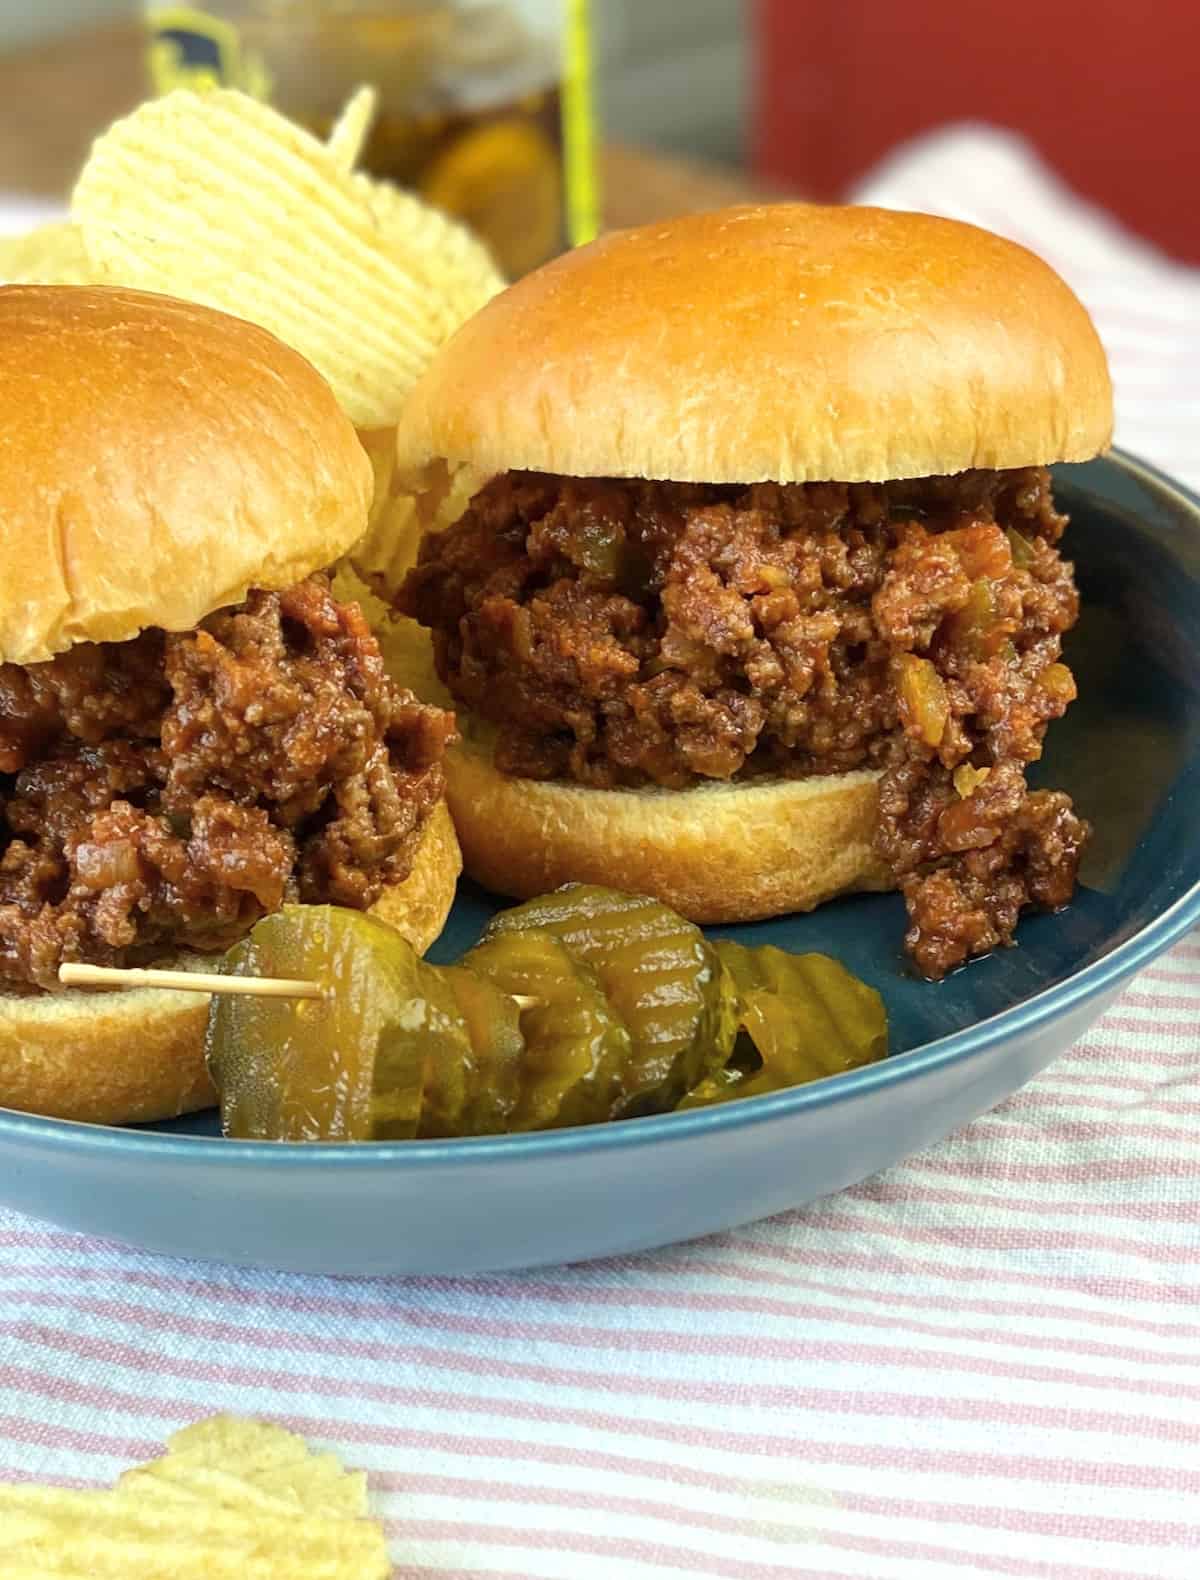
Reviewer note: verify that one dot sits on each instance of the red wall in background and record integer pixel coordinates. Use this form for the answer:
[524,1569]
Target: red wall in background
[1109,93]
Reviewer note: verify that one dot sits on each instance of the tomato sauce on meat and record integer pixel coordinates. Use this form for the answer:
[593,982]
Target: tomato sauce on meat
[165,793]
[623,633]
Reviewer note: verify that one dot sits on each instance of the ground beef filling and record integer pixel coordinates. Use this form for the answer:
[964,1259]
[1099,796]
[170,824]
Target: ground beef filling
[165,793]
[631,633]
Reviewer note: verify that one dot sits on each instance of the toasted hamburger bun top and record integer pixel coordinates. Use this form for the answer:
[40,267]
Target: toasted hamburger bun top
[786,342]
[157,460]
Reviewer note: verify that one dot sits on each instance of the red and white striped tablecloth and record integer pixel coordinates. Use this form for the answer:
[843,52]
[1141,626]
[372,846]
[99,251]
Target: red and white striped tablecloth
[985,1362]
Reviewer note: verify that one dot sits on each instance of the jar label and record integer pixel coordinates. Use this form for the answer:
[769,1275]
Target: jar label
[191,49]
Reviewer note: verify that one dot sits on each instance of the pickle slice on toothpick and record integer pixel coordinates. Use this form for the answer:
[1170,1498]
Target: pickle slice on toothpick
[348,1066]
[576,1049]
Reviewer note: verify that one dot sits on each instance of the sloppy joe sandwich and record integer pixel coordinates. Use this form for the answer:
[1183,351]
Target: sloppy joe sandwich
[743,567]
[193,730]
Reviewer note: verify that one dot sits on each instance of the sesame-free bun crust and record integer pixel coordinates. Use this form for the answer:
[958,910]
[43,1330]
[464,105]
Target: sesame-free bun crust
[138,1055]
[786,342]
[716,853]
[157,460]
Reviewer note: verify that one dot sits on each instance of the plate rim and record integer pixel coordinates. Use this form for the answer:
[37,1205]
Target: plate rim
[962,1045]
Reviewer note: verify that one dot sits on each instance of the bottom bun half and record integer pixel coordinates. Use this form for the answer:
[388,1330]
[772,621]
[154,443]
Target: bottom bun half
[135,1056]
[716,853]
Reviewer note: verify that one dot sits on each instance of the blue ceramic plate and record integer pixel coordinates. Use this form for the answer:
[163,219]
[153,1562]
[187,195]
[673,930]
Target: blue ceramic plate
[1129,752]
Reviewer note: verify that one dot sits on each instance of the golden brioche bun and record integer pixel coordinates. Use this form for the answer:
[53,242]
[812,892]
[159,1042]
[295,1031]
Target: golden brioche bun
[789,343]
[785,342]
[133,1056]
[716,853]
[157,460]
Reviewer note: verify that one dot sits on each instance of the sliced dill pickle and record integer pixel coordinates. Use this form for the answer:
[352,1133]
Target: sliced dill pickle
[661,975]
[576,1048]
[802,1017]
[975,627]
[346,1067]
[924,705]
[452,1071]
[629,1009]
[491,1022]
[1021,547]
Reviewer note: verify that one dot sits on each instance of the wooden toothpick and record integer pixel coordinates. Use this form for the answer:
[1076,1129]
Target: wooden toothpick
[78,975]
[188,982]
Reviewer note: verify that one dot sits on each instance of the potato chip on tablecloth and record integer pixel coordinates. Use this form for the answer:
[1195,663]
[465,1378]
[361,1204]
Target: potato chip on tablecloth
[229,1500]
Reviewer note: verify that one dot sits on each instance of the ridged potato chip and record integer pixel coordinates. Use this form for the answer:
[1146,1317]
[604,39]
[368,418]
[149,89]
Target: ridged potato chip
[219,199]
[220,1440]
[243,1464]
[50,255]
[388,549]
[229,1500]
[352,128]
[403,510]
[380,445]
[455,266]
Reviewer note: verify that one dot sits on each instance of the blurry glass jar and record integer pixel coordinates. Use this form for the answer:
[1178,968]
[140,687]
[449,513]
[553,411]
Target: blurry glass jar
[484,105]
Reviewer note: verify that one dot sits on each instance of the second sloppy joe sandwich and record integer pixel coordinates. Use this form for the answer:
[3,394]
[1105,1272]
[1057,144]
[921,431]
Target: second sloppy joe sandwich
[743,567]
[193,729]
